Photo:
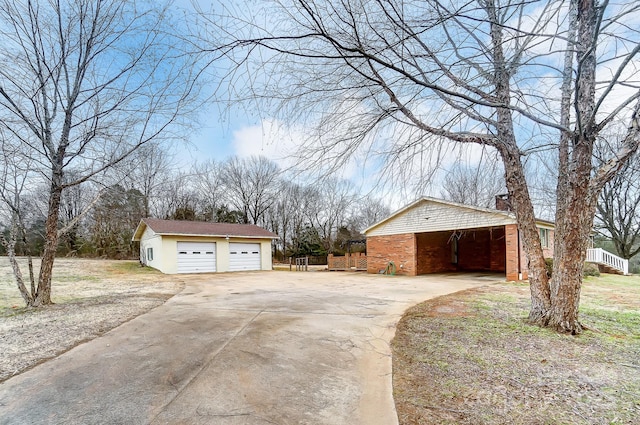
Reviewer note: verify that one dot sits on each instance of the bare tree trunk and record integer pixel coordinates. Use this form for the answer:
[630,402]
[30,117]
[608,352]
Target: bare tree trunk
[573,227]
[574,219]
[43,296]
[32,279]
[10,246]
[572,232]
[521,201]
[515,179]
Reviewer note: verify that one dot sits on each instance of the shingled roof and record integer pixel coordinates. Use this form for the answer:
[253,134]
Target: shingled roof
[201,228]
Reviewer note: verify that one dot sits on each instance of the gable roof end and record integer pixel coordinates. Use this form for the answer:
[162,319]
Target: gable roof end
[426,199]
[498,217]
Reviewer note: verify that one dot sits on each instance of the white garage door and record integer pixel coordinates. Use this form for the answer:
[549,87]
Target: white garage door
[244,256]
[196,257]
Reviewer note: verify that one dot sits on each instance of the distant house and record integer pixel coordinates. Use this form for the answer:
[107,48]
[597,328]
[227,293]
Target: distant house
[173,246]
[435,236]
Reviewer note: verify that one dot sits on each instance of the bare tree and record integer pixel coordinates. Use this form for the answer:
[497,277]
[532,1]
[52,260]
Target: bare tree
[15,175]
[113,220]
[289,214]
[251,185]
[405,79]
[75,203]
[474,185]
[178,198]
[618,209]
[209,186]
[147,171]
[84,84]
[368,211]
[331,206]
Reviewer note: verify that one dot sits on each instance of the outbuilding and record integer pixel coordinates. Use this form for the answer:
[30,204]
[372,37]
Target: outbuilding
[435,236]
[175,246]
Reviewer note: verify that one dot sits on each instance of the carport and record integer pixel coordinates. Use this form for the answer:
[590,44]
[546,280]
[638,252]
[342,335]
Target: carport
[436,236]
[480,249]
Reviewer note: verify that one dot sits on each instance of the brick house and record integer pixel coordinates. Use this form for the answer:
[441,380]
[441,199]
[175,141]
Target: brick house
[435,236]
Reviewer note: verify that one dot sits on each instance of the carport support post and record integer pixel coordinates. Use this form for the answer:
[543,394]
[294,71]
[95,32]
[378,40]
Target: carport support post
[512,251]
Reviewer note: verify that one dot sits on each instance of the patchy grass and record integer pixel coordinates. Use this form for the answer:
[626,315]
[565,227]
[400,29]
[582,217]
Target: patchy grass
[91,297]
[471,358]
[78,280]
[131,267]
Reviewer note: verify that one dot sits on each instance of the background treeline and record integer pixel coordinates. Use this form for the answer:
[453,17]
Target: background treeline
[315,218]
[100,216]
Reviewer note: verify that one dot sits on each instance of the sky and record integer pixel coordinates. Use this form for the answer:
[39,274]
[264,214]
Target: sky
[236,132]
[225,132]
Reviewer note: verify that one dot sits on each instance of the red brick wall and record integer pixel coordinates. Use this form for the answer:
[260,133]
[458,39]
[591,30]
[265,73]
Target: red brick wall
[401,249]
[482,250]
[474,250]
[498,250]
[434,253]
[494,250]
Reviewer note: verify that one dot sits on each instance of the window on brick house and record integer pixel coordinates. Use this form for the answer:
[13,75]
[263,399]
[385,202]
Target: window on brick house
[544,238]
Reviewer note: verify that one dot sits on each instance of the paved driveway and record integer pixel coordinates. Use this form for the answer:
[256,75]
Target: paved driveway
[242,348]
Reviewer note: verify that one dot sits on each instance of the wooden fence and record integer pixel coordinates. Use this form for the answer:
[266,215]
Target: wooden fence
[357,261]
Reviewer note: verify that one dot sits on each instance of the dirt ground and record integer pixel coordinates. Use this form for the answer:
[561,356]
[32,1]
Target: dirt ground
[471,358]
[91,296]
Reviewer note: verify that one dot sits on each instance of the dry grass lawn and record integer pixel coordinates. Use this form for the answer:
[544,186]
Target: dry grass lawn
[91,296]
[471,358]
[467,358]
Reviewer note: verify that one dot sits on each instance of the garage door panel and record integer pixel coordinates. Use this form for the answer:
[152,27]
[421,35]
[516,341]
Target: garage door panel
[244,256]
[196,257]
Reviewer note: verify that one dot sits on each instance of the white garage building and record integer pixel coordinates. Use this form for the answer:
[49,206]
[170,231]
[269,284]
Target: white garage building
[174,246]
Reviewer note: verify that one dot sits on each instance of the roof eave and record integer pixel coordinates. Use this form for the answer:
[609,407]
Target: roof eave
[137,234]
[545,222]
[210,235]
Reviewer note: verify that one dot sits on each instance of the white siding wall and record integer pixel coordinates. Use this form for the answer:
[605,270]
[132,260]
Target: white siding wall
[167,262]
[430,216]
[267,256]
[149,239]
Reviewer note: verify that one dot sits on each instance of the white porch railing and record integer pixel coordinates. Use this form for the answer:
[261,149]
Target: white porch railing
[600,256]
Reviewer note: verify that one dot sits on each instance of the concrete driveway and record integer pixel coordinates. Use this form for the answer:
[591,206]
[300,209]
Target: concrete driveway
[242,348]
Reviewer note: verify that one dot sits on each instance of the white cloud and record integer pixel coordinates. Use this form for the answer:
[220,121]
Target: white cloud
[285,145]
[271,138]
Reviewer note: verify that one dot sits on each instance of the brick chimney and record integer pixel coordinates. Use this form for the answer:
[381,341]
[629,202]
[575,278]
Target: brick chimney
[503,203]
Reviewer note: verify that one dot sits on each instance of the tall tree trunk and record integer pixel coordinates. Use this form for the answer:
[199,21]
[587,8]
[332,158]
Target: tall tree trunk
[572,238]
[521,202]
[562,185]
[515,178]
[43,296]
[575,219]
[573,227]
